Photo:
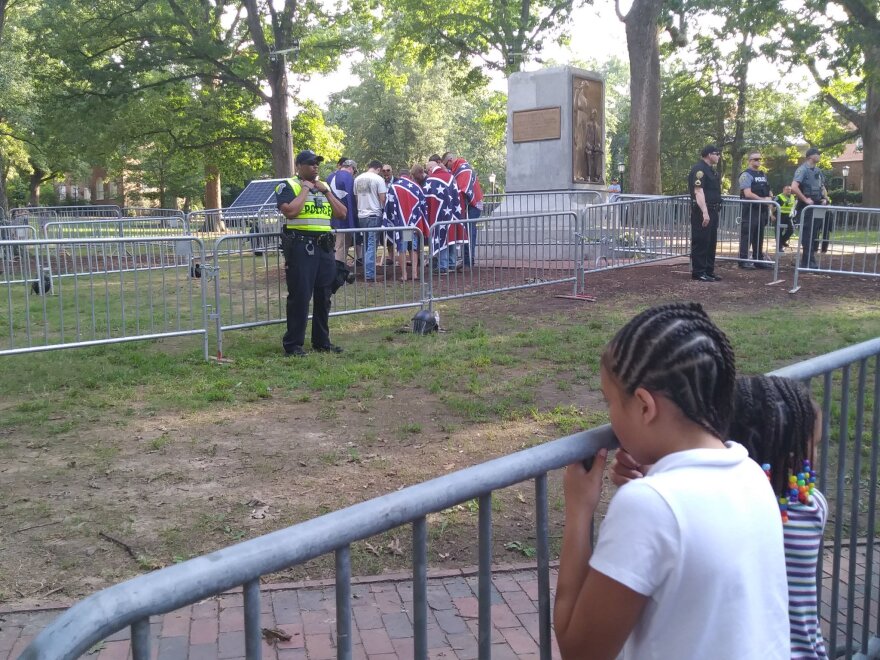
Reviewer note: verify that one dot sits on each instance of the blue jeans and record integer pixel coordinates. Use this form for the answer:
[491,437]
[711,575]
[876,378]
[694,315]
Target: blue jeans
[469,251]
[370,241]
[446,258]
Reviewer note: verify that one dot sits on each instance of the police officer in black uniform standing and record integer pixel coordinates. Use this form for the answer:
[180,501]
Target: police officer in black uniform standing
[809,188]
[308,243]
[754,188]
[704,186]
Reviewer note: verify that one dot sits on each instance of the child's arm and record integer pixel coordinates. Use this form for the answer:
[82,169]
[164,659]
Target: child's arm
[594,614]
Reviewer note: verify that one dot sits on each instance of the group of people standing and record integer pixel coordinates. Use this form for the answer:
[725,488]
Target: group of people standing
[422,205]
[796,201]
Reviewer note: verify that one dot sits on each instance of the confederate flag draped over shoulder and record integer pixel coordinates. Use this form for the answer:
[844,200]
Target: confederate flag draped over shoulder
[468,184]
[406,206]
[444,205]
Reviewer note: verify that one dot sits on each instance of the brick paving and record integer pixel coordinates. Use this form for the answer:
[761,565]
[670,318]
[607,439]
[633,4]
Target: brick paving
[381,622]
[382,619]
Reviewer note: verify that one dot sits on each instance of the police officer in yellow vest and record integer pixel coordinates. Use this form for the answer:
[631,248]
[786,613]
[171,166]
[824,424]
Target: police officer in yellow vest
[308,243]
[786,201]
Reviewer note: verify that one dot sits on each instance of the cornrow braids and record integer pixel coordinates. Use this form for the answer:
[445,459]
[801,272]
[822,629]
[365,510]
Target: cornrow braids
[676,350]
[774,419]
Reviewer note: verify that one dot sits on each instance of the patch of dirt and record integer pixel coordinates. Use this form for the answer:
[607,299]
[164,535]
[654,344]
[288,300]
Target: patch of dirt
[84,512]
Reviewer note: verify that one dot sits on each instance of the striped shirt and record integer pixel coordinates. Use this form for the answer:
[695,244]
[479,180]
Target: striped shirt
[803,533]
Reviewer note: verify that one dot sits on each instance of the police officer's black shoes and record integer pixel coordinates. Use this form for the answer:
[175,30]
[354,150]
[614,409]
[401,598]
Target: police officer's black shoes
[329,348]
[296,351]
[715,277]
[746,265]
[703,278]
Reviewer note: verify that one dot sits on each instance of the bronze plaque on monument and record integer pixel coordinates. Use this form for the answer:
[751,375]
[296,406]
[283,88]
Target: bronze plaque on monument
[538,124]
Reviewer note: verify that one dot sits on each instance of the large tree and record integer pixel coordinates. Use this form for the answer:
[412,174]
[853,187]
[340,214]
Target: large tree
[843,37]
[498,36]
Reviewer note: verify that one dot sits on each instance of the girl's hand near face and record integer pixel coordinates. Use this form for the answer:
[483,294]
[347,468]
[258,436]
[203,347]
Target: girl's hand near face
[583,488]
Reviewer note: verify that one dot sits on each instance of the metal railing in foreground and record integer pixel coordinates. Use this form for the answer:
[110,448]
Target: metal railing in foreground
[66,293]
[853,616]
[845,240]
[847,384]
[132,603]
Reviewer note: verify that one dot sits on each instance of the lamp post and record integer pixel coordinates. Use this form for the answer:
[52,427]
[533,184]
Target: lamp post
[492,181]
[845,172]
[620,169]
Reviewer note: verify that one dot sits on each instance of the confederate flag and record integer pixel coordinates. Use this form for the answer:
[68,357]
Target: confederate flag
[405,206]
[444,205]
[468,184]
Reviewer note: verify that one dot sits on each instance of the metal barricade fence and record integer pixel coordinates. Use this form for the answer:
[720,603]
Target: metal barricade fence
[847,383]
[627,233]
[35,216]
[522,203]
[95,301]
[150,212]
[838,240]
[514,251]
[749,232]
[854,619]
[143,227]
[250,288]
[9,253]
[225,221]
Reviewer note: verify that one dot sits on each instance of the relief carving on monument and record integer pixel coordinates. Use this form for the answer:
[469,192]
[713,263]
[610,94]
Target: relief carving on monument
[587,135]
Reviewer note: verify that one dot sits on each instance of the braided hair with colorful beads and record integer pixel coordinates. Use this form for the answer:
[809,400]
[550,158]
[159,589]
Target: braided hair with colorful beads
[677,351]
[775,420]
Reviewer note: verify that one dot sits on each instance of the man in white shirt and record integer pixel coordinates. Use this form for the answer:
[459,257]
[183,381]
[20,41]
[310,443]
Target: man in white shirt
[370,190]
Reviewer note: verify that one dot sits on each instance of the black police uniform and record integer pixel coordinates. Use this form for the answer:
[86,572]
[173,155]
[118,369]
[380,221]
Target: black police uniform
[755,215]
[310,264]
[704,239]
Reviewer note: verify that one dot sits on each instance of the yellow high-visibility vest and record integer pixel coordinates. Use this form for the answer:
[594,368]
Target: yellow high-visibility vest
[316,213]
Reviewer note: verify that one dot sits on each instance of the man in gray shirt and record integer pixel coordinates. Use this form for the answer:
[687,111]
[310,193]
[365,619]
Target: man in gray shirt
[370,190]
[809,188]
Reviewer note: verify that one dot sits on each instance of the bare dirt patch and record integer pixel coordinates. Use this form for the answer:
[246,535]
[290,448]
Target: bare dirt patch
[85,510]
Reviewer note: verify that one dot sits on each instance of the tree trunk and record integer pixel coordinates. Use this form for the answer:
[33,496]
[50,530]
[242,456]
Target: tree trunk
[4,202]
[871,140]
[738,147]
[213,221]
[282,147]
[34,182]
[642,42]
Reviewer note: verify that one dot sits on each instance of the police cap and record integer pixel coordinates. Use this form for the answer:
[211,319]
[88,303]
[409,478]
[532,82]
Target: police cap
[308,157]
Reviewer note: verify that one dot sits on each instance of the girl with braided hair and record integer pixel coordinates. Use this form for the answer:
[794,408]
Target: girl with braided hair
[664,580]
[779,424]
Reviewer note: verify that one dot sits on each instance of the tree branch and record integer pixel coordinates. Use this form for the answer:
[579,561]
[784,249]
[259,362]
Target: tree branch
[864,16]
[839,107]
[622,17]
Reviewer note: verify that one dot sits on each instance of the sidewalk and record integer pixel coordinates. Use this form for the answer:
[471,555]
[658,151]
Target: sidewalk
[381,621]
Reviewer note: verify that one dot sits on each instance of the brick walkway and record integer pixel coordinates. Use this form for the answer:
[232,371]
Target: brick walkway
[381,622]
[382,619]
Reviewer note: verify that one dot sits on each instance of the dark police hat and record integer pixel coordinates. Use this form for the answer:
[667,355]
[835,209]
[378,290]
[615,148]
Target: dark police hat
[812,151]
[308,157]
[709,149]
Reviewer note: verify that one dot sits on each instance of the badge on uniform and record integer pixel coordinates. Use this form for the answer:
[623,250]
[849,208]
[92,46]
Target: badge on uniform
[698,176]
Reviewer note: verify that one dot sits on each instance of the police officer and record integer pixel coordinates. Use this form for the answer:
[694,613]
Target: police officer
[308,244]
[809,187]
[786,201]
[704,186]
[753,186]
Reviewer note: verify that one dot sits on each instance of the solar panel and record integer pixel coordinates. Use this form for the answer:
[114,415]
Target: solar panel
[260,192]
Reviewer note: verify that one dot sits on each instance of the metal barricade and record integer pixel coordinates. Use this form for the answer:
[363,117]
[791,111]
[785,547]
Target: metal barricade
[838,240]
[636,231]
[67,293]
[150,212]
[847,383]
[144,226]
[9,253]
[515,251]
[852,615]
[524,203]
[35,216]
[225,221]
[749,232]
[250,288]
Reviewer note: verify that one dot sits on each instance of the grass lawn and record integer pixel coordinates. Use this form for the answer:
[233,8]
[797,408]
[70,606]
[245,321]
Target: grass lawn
[151,445]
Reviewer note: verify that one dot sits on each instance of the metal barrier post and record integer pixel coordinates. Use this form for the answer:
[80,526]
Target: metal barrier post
[343,603]
[542,541]
[252,630]
[140,639]
[420,588]
[484,585]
